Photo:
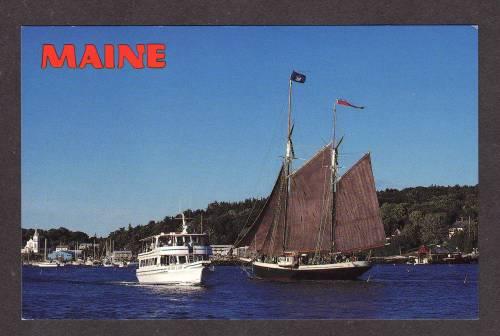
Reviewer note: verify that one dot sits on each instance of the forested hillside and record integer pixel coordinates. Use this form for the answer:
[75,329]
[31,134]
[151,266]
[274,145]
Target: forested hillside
[416,216]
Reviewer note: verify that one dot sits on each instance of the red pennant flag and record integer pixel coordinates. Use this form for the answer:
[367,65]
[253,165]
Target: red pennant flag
[346,103]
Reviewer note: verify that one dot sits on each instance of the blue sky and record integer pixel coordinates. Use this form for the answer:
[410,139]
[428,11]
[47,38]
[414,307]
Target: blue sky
[105,148]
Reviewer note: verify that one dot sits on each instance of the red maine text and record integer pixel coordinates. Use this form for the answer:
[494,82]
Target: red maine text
[142,56]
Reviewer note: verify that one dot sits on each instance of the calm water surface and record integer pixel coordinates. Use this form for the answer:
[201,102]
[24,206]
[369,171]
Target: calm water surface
[392,292]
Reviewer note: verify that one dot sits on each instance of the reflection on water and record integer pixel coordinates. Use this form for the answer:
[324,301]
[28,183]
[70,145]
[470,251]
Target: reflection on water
[385,292]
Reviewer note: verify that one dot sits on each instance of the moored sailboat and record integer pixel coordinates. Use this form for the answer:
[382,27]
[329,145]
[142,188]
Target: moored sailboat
[45,262]
[316,225]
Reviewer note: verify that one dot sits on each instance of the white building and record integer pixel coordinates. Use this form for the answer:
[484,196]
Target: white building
[221,250]
[457,227]
[84,246]
[32,244]
[118,256]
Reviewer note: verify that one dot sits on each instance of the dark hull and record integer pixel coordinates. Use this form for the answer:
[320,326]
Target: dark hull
[289,274]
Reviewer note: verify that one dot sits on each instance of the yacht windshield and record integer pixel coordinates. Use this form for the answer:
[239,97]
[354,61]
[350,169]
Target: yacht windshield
[165,241]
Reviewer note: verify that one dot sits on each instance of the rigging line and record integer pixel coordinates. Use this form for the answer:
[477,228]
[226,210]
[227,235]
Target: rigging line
[319,235]
[328,197]
[322,227]
[325,214]
[261,171]
[270,231]
[276,219]
[277,184]
[323,221]
[352,153]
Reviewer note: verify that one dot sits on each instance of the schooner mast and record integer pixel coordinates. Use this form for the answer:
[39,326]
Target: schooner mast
[334,173]
[289,153]
[315,213]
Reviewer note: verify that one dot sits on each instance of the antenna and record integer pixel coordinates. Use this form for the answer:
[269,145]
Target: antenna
[184,223]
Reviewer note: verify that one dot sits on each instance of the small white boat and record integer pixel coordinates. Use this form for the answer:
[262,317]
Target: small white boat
[107,263]
[77,262]
[121,264]
[47,264]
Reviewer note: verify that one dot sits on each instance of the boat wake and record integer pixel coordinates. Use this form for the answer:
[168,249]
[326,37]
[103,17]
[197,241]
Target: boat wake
[185,287]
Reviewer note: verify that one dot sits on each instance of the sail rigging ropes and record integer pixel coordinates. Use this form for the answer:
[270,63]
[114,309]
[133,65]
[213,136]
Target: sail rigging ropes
[323,213]
[276,216]
[246,227]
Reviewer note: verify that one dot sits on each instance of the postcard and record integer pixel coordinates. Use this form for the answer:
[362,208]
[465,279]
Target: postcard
[249,172]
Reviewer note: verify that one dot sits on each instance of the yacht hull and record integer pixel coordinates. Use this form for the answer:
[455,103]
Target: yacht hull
[337,271]
[192,274]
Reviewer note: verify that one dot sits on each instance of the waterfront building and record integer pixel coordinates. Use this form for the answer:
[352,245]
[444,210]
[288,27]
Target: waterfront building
[438,254]
[221,250]
[84,246]
[240,251]
[32,244]
[435,255]
[120,256]
[458,226]
[423,255]
[61,255]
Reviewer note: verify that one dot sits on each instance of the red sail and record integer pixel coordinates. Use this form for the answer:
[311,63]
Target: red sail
[358,225]
[309,215]
[265,235]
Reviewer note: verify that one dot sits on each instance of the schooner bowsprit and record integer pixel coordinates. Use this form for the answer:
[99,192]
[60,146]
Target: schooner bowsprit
[315,223]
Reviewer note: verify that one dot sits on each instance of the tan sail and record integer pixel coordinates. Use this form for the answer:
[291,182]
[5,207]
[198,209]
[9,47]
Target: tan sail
[358,225]
[309,215]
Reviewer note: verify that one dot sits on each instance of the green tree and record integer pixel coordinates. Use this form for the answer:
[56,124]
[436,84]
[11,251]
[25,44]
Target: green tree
[393,216]
[434,229]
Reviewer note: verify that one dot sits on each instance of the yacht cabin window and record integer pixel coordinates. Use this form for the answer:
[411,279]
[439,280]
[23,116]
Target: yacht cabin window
[164,241]
[179,241]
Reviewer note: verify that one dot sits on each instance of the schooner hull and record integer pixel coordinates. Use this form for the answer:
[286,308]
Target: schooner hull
[338,271]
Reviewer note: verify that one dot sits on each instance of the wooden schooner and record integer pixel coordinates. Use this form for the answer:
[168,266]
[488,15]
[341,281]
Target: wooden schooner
[315,224]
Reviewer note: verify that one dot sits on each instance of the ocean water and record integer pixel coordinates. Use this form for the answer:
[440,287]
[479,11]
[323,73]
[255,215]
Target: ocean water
[391,292]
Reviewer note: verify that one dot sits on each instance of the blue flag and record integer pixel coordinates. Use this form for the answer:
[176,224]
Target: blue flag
[297,77]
